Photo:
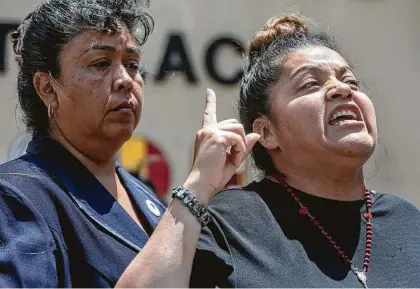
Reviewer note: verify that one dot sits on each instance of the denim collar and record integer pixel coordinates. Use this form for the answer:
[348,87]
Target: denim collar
[94,200]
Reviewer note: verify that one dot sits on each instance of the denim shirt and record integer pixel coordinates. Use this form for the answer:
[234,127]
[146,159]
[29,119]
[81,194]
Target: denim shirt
[60,227]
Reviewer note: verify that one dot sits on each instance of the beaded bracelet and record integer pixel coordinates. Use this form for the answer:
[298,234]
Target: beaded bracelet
[190,200]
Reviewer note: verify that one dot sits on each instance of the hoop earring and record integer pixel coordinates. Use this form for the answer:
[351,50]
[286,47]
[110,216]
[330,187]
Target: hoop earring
[50,111]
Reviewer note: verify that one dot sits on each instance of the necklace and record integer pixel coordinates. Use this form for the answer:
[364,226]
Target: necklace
[303,210]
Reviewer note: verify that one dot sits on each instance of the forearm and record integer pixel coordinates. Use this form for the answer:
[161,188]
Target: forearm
[166,260]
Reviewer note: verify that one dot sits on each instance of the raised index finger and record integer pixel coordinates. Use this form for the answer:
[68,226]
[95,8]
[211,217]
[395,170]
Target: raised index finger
[210,109]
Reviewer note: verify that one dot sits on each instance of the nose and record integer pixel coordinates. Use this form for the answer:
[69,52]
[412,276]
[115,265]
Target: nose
[339,89]
[122,80]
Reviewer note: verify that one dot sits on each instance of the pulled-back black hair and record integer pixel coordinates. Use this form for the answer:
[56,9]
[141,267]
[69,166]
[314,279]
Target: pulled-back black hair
[39,40]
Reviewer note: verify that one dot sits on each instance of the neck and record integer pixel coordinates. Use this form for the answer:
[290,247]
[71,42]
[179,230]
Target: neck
[103,166]
[331,182]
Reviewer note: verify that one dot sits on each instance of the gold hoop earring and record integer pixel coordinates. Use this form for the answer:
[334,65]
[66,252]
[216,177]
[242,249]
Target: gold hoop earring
[50,111]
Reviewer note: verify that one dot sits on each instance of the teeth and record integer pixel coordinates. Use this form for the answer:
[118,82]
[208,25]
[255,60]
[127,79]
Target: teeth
[343,113]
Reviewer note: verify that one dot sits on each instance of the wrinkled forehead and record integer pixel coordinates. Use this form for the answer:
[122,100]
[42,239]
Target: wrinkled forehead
[89,39]
[322,57]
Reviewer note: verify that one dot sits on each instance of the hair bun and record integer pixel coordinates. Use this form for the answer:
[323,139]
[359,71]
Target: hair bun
[277,27]
[16,37]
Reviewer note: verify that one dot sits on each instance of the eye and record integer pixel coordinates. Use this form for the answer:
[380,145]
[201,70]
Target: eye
[133,65]
[101,64]
[309,84]
[353,83]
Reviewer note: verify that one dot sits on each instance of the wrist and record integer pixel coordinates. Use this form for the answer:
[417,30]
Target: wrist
[196,207]
[180,211]
[200,188]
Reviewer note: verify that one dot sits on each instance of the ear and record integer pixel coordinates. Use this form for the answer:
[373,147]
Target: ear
[44,85]
[264,127]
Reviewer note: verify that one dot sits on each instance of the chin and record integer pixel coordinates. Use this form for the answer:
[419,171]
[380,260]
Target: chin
[120,134]
[355,145]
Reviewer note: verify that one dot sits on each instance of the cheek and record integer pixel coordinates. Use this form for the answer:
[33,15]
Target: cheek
[306,114]
[139,107]
[138,90]
[138,94]
[91,90]
[368,111]
[299,120]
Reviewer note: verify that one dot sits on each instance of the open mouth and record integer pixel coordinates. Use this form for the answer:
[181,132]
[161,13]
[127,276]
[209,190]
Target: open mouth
[343,115]
[124,107]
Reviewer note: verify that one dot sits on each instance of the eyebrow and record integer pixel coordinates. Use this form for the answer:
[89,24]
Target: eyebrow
[308,67]
[111,48]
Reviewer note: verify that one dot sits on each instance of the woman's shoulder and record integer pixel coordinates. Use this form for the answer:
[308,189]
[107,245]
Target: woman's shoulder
[24,174]
[26,180]
[241,194]
[24,166]
[392,203]
[230,203]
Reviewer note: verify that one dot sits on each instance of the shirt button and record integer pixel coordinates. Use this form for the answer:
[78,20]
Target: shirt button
[153,208]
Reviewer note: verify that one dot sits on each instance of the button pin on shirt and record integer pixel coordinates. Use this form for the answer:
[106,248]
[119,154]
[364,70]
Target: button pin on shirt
[153,208]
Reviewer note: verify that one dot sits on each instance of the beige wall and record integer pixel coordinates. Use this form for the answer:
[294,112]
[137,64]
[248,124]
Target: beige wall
[380,37]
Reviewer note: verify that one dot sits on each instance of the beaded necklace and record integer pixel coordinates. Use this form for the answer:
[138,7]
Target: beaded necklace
[303,210]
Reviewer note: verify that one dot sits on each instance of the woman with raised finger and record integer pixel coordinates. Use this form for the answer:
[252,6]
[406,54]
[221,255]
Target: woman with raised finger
[70,215]
[311,221]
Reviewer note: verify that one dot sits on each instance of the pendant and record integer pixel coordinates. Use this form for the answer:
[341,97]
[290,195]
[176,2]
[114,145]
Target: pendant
[361,275]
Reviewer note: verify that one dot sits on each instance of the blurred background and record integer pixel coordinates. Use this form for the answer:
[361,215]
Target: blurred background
[200,44]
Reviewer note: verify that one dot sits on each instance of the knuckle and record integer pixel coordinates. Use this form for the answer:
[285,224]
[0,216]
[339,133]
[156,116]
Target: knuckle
[241,127]
[202,132]
[217,137]
[238,127]
[220,142]
[208,132]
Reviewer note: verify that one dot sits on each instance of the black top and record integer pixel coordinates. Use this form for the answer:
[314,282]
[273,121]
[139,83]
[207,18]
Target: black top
[259,239]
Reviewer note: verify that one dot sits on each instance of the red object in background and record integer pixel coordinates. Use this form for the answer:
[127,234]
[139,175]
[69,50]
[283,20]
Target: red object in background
[158,171]
[146,161]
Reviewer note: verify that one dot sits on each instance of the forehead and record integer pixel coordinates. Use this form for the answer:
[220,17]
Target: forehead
[86,40]
[321,57]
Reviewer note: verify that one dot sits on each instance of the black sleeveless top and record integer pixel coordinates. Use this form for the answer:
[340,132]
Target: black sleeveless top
[259,239]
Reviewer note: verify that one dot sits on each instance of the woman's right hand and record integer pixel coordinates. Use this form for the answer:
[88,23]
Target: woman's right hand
[220,148]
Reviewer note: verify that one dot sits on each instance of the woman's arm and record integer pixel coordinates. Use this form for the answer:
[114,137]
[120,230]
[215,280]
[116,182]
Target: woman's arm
[167,258]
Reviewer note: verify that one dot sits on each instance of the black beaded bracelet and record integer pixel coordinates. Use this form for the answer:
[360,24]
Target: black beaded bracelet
[190,200]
